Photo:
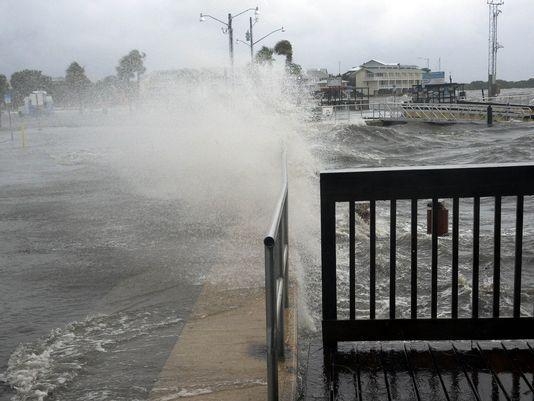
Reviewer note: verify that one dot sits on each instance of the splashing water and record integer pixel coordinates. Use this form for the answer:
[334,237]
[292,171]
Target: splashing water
[128,213]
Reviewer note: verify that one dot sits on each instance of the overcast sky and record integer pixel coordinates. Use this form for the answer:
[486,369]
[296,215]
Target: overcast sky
[49,34]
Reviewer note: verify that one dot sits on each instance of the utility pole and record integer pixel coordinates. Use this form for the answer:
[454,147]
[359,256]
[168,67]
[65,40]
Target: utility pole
[250,36]
[251,39]
[229,28]
[231,39]
[493,45]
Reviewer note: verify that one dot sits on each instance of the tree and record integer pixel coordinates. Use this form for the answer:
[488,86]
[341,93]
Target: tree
[60,92]
[4,87]
[131,66]
[77,83]
[294,69]
[284,48]
[265,56]
[25,82]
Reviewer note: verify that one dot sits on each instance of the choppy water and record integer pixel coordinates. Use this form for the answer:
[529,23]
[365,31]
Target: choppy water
[355,146]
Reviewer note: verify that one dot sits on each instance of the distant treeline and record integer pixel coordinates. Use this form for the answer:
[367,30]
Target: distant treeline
[75,89]
[502,84]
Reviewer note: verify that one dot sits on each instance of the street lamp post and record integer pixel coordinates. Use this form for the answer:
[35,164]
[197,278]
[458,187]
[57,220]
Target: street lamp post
[251,44]
[229,28]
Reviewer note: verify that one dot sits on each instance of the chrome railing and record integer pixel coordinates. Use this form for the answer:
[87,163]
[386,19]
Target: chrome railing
[276,288]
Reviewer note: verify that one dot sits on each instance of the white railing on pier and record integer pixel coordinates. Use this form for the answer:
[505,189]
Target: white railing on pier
[517,99]
[425,112]
[439,112]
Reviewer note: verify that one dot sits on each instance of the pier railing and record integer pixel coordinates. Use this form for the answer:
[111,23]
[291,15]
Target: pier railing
[518,99]
[418,184]
[441,112]
[276,288]
[426,112]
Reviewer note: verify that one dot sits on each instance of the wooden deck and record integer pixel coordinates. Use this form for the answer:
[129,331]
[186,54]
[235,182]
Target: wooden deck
[370,357]
[437,371]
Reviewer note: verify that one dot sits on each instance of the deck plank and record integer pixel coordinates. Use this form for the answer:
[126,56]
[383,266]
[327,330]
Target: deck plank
[456,382]
[426,375]
[442,371]
[479,373]
[400,380]
[372,375]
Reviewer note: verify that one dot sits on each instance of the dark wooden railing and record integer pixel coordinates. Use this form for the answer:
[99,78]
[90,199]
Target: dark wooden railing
[415,184]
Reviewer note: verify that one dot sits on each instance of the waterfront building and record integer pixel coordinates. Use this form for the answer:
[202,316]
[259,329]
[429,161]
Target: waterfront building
[382,78]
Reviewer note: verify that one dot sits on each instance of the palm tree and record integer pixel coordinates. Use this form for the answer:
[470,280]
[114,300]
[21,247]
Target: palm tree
[284,48]
[131,67]
[265,55]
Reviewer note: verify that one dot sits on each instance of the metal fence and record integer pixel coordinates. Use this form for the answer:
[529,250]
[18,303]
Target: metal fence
[276,288]
[415,184]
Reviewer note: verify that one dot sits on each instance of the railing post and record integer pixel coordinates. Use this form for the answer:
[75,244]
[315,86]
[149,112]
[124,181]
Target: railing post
[328,262]
[270,291]
[489,116]
[279,292]
[285,229]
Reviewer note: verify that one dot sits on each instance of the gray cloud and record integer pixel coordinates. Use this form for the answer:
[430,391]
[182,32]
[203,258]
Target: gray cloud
[48,35]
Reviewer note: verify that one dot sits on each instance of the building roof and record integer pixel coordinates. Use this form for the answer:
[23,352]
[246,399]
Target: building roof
[378,64]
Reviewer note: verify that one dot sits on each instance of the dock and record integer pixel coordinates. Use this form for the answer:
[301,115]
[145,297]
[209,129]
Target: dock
[445,344]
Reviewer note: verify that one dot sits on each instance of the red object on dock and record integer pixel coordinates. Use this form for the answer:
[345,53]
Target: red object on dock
[443,219]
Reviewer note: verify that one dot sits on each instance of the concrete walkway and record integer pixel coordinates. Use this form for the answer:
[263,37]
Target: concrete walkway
[220,354]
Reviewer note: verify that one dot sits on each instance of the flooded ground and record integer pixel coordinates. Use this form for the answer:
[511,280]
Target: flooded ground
[109,224]
[89,282]
[108,229]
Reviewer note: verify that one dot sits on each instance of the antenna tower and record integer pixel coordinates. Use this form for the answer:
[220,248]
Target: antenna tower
[493,45]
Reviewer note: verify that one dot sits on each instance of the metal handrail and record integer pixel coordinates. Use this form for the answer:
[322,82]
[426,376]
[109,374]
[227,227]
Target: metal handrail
[276,244]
